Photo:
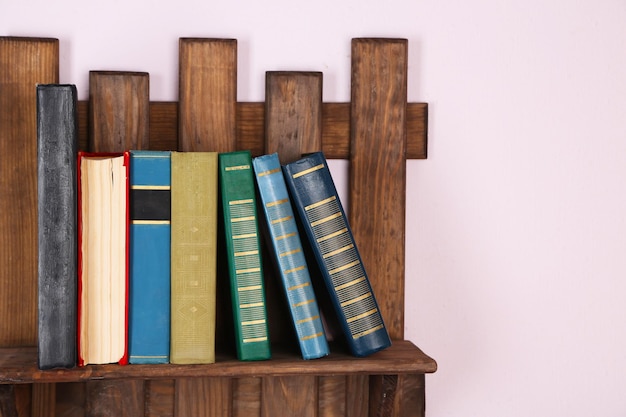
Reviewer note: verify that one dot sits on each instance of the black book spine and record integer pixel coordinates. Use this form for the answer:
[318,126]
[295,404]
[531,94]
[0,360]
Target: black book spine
[57,146]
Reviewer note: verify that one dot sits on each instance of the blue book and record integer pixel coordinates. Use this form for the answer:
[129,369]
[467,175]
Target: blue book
[326,226]
[289,256]
[149,315]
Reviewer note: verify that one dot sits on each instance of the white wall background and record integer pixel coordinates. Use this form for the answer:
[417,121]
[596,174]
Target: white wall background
[516,248]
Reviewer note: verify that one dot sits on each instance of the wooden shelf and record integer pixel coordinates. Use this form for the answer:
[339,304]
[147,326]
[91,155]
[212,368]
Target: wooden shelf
[19,366]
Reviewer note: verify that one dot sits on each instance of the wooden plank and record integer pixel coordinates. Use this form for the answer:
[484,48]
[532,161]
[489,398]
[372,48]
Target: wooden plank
[247,397]
[19,365]
[119,110]
[207,94]
[159,398]
[332,396]
[251,128]
[289,396]
[382,400]
[293,113]
[24,62]
[410,397]
[43,400]
[120,398]
[357,398]
[70,399]
[378,169]
[200,397]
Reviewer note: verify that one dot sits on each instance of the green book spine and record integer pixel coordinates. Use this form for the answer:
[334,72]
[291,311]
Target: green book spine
[244,255]
[193,257]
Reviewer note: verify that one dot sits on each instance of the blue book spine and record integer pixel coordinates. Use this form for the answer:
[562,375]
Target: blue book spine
[289,255]
[322,216]
[150,231]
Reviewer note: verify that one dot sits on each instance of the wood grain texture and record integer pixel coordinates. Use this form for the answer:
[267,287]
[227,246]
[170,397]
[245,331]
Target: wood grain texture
[289,396]
[357,395]
[378,169]
[207,94]
[247,397]
[159,398]
[251,128]
[70,399]
[24,62]
[203,397]
[19,365]
[332,392]
[43,400]
[119,110]
[119,398]
[293,114]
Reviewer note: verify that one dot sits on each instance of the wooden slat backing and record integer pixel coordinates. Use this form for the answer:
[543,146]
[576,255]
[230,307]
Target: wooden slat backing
[378,169]
[251,128]
[207,94]
[119,110]
[24,62]
[293,114]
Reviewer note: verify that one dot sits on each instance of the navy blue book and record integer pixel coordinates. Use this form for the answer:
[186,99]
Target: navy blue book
[289,256]
[326,226]
[150,230]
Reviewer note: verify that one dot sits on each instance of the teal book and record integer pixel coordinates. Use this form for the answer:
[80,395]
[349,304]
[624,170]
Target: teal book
[331,241]
[243,249]
[289,256]
[150,231]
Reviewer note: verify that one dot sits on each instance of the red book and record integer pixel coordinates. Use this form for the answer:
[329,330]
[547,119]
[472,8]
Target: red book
[103,256]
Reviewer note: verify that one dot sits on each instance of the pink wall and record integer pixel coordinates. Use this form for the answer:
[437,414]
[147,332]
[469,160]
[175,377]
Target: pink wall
[516,274]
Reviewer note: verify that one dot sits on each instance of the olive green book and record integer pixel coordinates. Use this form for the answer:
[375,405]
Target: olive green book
[193,256]
[243,252]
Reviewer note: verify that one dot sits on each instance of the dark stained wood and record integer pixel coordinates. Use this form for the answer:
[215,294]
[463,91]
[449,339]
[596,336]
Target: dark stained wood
[357,395]
[201,397]
[378,169]
[117,398]
[207,94]
[70,399]
[43,400]
[19,365]
[331,396]
[119,110]
[24,62]
[250,128]
[159,397]
[247,397]
[7,401]
[293,114]
[289,396]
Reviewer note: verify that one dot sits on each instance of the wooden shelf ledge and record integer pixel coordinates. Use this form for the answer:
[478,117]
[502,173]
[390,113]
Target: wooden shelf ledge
[19,366]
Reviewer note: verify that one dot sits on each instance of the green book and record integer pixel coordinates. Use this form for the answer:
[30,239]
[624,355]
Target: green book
[243,251]
[193,256]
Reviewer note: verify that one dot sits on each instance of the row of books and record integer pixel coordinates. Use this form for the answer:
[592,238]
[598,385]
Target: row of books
[129,242]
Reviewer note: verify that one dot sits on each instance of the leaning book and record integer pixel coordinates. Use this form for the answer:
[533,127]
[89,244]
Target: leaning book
[331,241]
[103,224]
[57,144]
[288,254]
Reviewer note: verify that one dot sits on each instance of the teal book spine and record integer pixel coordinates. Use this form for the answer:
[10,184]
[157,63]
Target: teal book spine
[326,226]
[150,231]
[289,255]
[243,249]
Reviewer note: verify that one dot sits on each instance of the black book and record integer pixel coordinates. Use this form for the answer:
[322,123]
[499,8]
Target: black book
[57,144]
